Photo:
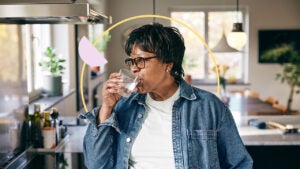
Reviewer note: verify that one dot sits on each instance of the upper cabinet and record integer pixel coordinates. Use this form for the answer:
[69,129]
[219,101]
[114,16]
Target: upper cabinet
[51,12]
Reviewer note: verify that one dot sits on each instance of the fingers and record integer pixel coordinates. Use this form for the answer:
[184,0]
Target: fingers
[111,88]
[114,75]
[112,84]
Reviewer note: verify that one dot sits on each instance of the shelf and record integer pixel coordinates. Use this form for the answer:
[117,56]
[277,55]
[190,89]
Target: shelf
[58,148]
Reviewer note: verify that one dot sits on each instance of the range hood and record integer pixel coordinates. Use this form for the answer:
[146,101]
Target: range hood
[50,12]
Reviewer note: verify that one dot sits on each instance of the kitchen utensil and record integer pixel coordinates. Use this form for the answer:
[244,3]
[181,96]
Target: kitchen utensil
[286,129]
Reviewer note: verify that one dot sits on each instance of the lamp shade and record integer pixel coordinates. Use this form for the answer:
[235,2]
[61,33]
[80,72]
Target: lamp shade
[237,38]
[223,46]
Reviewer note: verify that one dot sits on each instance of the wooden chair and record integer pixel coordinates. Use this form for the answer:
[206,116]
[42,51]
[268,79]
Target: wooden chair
[280,107]
[271,100]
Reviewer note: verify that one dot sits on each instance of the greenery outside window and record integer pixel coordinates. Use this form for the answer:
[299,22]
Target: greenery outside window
[12,65]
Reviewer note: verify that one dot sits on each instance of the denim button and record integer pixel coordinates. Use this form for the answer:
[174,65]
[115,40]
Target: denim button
[128,140]
[140,116]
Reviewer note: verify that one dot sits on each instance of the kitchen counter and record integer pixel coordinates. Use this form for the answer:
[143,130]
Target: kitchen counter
[282,150]
[254,136]
[270,148]
[259,142]
[74,142]
[67,154]
[249,134]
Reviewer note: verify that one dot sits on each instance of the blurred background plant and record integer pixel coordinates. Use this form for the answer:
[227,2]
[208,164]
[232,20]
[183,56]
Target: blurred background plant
[101,47]
[290,74]
[52,63]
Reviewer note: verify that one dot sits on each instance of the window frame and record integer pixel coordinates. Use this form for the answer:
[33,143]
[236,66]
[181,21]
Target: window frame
[244,51]
[34,37]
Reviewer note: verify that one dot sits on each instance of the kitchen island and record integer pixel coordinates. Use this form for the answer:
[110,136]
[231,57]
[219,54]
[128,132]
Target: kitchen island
[253,136]
[271,148]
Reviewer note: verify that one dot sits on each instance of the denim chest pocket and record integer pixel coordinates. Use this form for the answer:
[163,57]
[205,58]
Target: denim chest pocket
[202,149]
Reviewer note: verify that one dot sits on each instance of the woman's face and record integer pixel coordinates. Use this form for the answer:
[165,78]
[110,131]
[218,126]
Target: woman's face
[154,77]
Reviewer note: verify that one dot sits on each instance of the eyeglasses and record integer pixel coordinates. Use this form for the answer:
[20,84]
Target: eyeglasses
[138,62]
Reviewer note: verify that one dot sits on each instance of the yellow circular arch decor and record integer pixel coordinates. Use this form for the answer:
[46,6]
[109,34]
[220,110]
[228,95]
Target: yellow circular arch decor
[149,16]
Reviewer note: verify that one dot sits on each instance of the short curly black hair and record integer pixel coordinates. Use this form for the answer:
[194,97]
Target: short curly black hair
[165,42]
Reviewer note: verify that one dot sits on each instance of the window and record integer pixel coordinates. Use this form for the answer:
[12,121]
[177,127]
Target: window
[12,65]
[35,38]
[211,25]
[38,38]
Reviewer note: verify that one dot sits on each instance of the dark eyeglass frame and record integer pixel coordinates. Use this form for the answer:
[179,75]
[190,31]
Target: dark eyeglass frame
[139,62]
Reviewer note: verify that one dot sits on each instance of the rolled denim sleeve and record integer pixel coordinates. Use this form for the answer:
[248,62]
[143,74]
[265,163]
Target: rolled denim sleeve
[99,148]
[233,153]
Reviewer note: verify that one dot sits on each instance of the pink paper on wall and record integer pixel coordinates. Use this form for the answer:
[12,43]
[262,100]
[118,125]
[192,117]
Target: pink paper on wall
[89,54]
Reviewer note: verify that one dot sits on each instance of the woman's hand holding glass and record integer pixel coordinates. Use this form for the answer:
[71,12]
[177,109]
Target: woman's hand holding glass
[119,84]
[110,95]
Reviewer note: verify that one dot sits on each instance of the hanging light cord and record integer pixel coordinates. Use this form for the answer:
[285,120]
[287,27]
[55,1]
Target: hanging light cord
[237,10]
[154,9]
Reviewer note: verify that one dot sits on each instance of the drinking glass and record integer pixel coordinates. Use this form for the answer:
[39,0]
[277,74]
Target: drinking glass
[129,82]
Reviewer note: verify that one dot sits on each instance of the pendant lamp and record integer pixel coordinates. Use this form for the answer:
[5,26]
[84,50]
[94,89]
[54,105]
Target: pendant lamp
[237,38]
[223,46]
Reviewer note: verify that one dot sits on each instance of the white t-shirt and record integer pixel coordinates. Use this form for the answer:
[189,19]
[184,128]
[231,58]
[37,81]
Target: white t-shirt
[153,148]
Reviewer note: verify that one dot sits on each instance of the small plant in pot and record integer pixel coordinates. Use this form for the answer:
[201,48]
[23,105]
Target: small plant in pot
[52,82]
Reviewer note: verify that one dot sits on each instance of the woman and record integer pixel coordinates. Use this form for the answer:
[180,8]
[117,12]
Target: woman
[166,123]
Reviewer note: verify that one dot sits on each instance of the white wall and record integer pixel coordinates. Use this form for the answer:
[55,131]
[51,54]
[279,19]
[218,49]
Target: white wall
[282,15]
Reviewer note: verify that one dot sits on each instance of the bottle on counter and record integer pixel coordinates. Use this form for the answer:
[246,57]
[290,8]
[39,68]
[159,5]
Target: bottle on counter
[36,131]
[62,129]
[49,139]
[54,116]
[42,117]
[26,130]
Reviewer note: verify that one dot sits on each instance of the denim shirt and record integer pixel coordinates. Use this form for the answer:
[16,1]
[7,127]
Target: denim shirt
[204,134]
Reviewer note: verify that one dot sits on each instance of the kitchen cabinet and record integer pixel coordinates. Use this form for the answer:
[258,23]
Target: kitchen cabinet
[275,156]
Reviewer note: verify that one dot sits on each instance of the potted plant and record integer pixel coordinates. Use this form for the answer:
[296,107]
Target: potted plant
[52,82]
[290,74]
